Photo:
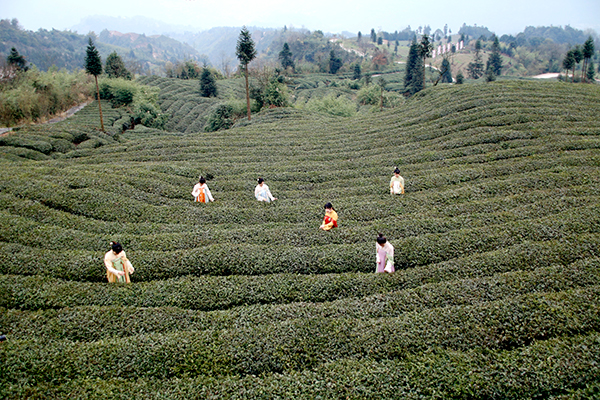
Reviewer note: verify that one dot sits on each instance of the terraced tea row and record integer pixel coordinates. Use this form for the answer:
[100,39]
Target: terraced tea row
[497,237]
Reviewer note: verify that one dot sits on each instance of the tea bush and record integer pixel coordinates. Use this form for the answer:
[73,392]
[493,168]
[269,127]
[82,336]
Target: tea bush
[496,249]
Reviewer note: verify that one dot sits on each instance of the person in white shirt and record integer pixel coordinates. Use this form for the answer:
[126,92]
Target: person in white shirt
[397,183]
[201,192]
[262,192]
[118,266]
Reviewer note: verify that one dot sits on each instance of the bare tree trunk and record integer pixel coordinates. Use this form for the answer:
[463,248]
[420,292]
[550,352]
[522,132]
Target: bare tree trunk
[99,105]
[247,91]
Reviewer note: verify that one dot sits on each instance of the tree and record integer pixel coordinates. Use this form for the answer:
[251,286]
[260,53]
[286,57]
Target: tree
[460,78]
[494,62]
[357,72]
[591,73]
[568,63]
[245,52]
[93,66]
[588,52]
[380,40]
[335,63]
[115,67]
[379,59]
[475,68]
[425,50]
[446,72]
[17,60]
[359,37]
[578,56]
[285,57]
[208,84]
[373,36]
[413,77]
[382,84]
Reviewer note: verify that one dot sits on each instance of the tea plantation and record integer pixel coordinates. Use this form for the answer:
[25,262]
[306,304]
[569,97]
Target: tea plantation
[497,284]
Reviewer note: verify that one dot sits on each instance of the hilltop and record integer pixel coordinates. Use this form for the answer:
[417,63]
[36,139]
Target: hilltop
[497,236]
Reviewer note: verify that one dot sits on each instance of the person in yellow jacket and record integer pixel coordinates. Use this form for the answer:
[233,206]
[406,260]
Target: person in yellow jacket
[330,219]
[118,267]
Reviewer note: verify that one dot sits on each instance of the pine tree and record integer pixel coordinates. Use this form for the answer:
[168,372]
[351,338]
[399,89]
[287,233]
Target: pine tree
[460,78]
[285,57]
[335,63]
[115,67]
[568,63]
[373,36]
[245,52]
[93,66]
[494,62]
[475,68]
[413,77]
[14,58]
[446,72]
[208,84]
[588,52]
[591,73]
[357,72]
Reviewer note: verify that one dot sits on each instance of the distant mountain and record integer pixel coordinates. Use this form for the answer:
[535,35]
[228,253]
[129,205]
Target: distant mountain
[138,24]
[219,43]
[66,49]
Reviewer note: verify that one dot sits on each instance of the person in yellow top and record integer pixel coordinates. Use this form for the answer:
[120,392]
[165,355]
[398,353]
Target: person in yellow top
[397,183]
[330,219]
[118,267]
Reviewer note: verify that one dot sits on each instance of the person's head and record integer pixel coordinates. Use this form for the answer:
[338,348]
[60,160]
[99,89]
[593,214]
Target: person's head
[329,207]
[202,180]
[381,239]
[260,181]
[396,171]
[116,247]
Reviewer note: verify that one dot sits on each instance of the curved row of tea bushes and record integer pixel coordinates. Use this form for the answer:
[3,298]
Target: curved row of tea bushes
[561,368]
[250,259]
[214,293]
[304,343]
[92,323]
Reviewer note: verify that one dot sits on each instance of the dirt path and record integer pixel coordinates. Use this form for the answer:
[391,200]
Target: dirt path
[61,117]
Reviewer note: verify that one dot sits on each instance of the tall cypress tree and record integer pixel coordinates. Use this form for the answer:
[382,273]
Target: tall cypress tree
[446,73]
[413,77]
[245,52]
[93,66]
[494,62]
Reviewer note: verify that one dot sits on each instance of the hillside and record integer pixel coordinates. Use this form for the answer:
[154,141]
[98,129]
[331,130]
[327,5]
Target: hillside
[65,49]
[497,237]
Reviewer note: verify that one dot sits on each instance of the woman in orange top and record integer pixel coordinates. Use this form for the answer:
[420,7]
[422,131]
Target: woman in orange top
[330,219]
[201,192]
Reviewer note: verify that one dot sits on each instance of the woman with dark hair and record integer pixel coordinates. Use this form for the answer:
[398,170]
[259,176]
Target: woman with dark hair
[397,183]
[262,192]
[330,219]
[385,255]
[201,192]
[118,267]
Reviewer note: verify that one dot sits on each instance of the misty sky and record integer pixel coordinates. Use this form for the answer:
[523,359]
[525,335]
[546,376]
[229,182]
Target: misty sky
[500,16]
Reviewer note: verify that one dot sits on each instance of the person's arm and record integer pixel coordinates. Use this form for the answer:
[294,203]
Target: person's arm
[208,193]
[390,254]
[196,191]
[270,195]
[109,266]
